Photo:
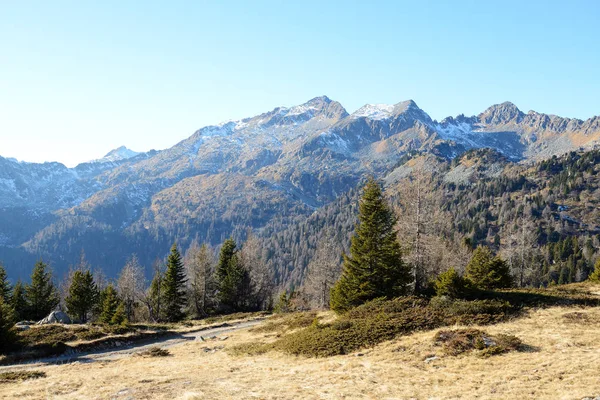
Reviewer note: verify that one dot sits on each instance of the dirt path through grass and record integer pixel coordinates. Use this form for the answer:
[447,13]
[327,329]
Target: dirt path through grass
[128,349]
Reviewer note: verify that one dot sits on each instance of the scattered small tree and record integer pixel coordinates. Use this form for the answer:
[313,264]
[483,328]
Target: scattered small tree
[174,286]
[260,275]
[7,322]
[486,271]
[18,301]
[595,275]
[5,288]
[153,296]
[83,295]
[41,295]
[322,272]
[119,317]
[110,303]
[284,303]
[131,285]
[450,283]
[201,286]
[374,267]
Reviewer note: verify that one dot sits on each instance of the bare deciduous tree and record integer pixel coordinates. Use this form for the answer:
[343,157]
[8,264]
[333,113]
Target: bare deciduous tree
[200,264]
[152,296]
[323,271]
[423,227]
[261,276]
[131,285]
[520,249]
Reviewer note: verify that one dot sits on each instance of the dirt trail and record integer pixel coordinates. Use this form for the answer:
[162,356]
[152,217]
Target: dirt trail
[129,349]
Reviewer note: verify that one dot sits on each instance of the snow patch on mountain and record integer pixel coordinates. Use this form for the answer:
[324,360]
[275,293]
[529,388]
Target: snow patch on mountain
[334,142]
[374,111]
[459,133]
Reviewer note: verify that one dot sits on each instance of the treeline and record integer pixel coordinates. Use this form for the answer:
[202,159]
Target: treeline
[194,285]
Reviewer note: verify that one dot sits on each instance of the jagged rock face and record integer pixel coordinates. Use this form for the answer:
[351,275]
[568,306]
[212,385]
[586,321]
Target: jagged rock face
[500,114]
[225,177]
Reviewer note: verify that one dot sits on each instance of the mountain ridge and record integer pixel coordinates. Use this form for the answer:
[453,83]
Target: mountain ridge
[246,173]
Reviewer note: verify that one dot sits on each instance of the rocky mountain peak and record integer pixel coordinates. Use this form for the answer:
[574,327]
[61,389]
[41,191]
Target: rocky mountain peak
[118,154]
[501,114]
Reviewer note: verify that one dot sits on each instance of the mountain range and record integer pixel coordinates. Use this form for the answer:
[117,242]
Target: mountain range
[258,173]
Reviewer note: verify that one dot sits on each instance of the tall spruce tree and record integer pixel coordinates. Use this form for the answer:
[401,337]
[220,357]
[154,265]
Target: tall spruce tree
[486,271]
[41,295]
[18,301]
[174,287]
[232,279]
[5,288]
[374,267]
[83,295]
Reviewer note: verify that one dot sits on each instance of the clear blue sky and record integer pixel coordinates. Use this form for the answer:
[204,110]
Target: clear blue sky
[81,78]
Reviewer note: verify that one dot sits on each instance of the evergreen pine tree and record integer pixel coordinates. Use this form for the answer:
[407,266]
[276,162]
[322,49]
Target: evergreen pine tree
[41,294]
[174,293]
[450,283]
[5,289]
[232,279]
[595,275]
[7,322]
[155,296]
[18,301]
[374,267]
[110,303]
[486,271]
[119,317]
[83,295]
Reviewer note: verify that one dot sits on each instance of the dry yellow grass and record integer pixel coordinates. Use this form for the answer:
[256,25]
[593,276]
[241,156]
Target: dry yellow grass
[562,363]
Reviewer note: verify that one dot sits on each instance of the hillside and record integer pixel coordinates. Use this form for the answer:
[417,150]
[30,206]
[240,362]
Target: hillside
[268,172]
[557,359]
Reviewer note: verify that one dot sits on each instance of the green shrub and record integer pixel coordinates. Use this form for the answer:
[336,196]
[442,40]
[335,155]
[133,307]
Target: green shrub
[380,320]
[455,342]
[595,276]
[47,334]
[486,271]
[450,284]
[470,312]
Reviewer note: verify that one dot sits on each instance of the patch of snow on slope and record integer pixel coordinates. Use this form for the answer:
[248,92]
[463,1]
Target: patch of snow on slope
[301,109]
[374,111]
[334,142]
[459,133]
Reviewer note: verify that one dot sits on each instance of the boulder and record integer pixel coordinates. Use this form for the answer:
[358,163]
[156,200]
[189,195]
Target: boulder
[55,317]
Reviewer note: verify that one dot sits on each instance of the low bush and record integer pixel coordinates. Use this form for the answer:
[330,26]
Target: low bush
[455,342]
[465,312]
[250,349]
[287,322]
[375,322]
[48,335]
[20,376]
[154,352]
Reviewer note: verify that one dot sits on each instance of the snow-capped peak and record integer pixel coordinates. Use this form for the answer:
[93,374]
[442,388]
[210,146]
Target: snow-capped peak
[118,154]
[374,111]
